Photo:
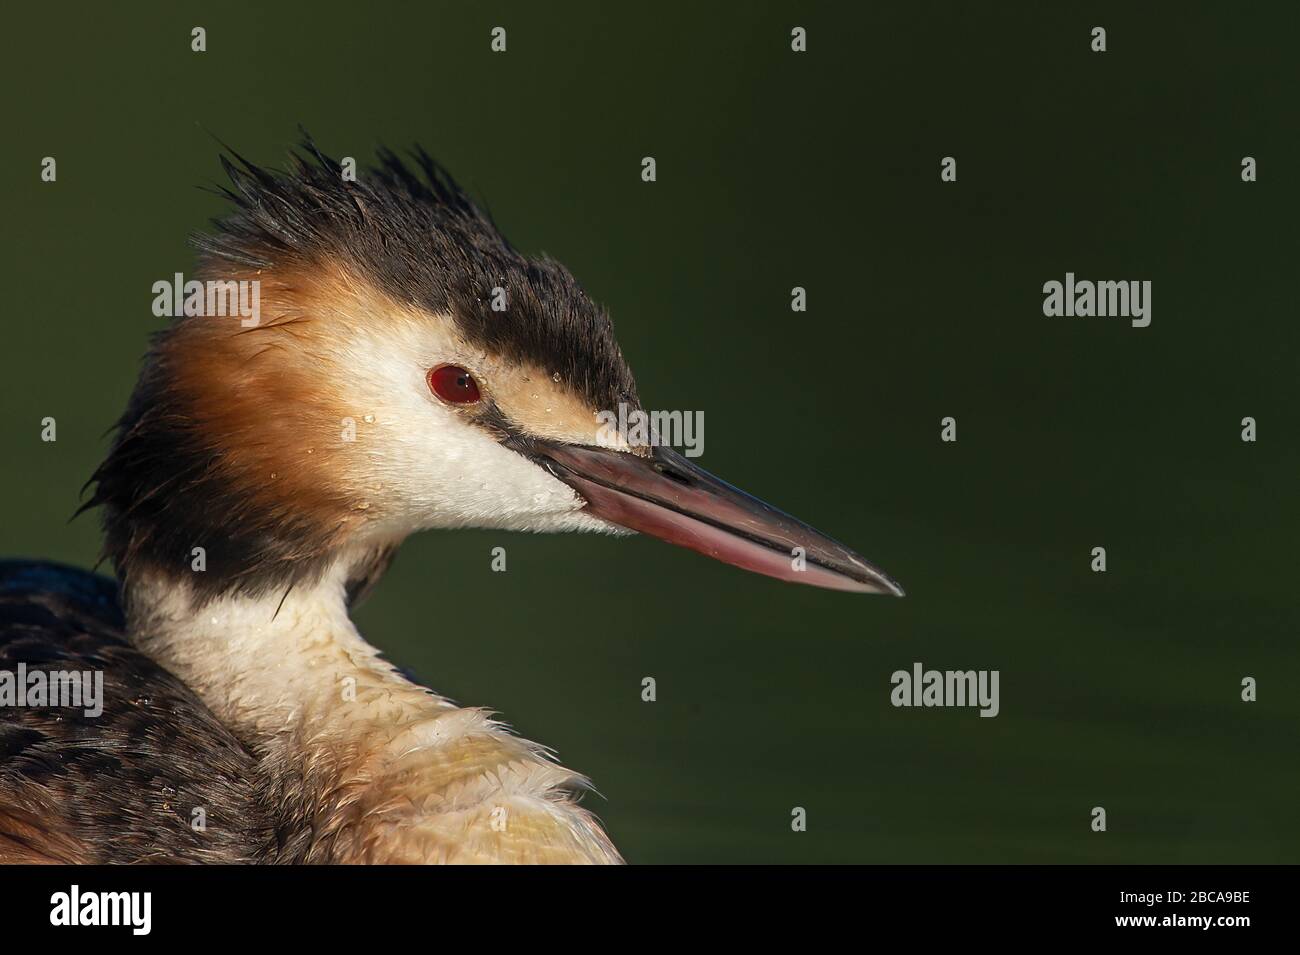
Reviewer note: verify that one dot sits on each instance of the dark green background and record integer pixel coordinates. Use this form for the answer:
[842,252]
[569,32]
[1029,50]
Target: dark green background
[775,170]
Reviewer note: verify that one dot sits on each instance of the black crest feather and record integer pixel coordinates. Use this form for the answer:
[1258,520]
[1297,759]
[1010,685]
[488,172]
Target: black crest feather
[413,232]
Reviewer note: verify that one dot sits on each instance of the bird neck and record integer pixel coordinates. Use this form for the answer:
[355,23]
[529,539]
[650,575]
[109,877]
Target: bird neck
[365,765]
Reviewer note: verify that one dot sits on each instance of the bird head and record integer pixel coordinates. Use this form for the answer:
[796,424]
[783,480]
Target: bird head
[404,368]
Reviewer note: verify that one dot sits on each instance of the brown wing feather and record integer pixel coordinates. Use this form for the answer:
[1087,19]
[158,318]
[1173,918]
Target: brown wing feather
[130,784]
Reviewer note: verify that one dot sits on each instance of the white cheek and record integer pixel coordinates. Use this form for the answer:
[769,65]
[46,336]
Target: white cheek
[429,467]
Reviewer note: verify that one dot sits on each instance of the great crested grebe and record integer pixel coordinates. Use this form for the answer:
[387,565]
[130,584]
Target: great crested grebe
[379,392]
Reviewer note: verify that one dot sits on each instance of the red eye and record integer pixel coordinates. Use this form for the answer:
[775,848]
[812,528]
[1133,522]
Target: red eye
[453,384]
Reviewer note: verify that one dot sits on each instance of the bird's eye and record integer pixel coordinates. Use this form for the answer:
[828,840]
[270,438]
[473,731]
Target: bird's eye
[453,384]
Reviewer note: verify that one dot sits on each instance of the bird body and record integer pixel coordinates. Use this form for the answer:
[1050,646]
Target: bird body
[266,470]
[287,730]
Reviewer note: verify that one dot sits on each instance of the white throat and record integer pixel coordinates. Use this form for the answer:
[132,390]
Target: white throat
[368,766]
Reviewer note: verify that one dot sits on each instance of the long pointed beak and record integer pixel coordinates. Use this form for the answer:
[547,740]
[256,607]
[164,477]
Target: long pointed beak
[666,496]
